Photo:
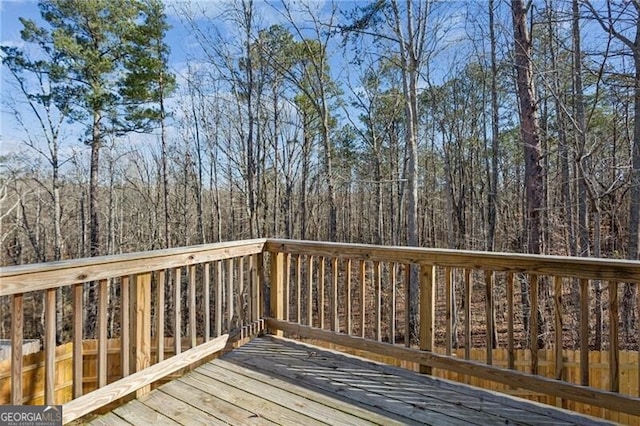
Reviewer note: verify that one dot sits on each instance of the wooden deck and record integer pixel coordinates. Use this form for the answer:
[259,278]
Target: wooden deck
[279,381]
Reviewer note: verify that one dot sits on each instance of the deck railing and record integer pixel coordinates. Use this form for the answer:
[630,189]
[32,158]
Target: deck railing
[196,295]
[347,294]
[355,296]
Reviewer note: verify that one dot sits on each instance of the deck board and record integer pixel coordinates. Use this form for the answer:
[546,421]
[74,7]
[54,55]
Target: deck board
[178,410]
[284,396]
[259,406]
[110,419]
[137,413]
[189,390]
[272,380]
[321,398]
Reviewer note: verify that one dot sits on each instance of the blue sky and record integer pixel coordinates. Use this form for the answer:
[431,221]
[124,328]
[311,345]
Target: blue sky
[183,46]
[12,10]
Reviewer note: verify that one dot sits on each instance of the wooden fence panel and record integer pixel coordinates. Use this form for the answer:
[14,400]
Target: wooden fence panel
[33,371]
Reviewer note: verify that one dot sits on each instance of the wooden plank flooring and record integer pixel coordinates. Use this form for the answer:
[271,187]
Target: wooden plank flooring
[279,381]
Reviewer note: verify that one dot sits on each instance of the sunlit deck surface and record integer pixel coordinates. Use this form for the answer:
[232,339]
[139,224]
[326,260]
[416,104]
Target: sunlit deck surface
[279,381]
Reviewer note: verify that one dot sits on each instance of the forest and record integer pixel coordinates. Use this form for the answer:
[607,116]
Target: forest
[498,126]
[508,126]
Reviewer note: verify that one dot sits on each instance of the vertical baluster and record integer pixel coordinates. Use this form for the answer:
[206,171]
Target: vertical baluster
[177,319]
[132,323]
[250,291]
[348,298]
[192,305]
[230,311]
[427,311]
[533,324]
[219,289]
[448,295]
[490,315]
[50,346]
[256,284]
[510,314]
[103,290]
[335,322]
[321,278]
[240,294]
[363,292]
[298,288]
[392,303]
[125,321]
[557,296]
[142,341]
[614,347]
[584,332]
[407,303]
[207,301]
[260,285]
[17,338]
[77,339]
[276,296]
[310,291]
[287,284]
[468,290]
[377,279]
[160,286]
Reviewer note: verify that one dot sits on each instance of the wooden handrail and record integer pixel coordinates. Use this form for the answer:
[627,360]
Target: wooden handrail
[563,266]
[146,288]
[544,276]
[305,296]
[109,393]
[42,276]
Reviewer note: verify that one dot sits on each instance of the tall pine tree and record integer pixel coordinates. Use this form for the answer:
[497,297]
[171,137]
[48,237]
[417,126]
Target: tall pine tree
[111,67]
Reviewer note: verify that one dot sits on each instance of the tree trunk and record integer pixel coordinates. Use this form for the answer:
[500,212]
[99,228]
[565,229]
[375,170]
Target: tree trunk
[564,152]
[165,178]
[305,184]
[580,123]
[495,134]
[529,127]
[633,14]
[629,298]
[409,62]
[57,214]
[94,224]
[91,299]
[247,10]
[530,136]
[328,159]
[634,195]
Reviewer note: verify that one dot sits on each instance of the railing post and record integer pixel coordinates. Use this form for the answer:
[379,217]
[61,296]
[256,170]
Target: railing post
[276,285]
[614,351]
[103,291]
[141,327]
[254,291]
[50,347]
[125,321]
[17,340]
[78,290]
[427,310]
[191,274]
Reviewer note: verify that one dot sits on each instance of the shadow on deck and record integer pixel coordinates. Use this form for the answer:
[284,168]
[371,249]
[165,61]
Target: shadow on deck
[272,380]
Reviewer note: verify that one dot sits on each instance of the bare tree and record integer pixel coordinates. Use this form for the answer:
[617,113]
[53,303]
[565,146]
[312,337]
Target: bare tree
[622,21]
